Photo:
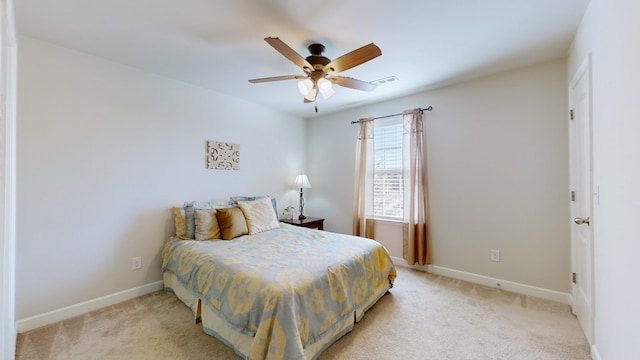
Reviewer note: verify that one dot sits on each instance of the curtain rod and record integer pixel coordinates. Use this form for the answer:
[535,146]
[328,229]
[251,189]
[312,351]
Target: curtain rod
[428,108]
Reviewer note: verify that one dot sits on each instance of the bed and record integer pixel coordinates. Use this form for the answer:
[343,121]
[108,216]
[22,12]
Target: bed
[276,291]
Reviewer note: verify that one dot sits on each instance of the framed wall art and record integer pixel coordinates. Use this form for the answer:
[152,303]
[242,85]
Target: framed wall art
[223,155]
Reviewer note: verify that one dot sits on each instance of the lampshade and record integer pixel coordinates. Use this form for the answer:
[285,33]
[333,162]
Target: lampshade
[324,84]
[327,93]
[305,86]
[302,182]
[311,95]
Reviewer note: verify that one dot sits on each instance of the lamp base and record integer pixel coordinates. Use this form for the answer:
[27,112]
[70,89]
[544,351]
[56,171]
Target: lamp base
[301,217]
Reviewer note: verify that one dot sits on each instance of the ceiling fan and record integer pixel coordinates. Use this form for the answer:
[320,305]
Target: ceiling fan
[319,70]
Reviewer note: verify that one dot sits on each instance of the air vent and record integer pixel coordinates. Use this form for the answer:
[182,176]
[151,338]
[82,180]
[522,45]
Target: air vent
[386,80]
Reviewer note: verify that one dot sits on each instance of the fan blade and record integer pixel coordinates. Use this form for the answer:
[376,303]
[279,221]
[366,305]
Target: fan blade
[354,58]
[353,83]
[289,53]
[277,78]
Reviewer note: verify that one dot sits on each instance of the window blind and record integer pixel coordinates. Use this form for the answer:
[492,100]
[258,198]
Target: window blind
[387,172]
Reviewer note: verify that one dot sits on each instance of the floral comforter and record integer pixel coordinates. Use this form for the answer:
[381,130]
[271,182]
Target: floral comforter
[287,288]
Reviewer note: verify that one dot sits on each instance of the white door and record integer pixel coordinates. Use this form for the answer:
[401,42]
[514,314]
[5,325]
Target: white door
[582,197]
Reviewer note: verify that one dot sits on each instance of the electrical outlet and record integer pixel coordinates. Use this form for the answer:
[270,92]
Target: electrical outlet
[136,263]
[495,255]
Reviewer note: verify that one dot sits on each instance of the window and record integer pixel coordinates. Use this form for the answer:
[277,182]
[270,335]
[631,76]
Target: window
[387,172]
[390,183]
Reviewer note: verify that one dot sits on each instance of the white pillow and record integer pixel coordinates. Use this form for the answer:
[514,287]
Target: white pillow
[259,215]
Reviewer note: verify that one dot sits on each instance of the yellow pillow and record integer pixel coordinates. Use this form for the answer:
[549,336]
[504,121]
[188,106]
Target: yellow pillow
[259,214]
[207,227]
[180,221]
[232,223]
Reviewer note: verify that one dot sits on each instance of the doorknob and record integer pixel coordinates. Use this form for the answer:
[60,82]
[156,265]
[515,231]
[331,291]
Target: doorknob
[581,221]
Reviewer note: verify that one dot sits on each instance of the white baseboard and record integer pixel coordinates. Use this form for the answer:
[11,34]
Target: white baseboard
[523,289]
[68,312]
[54,316]
[594,353]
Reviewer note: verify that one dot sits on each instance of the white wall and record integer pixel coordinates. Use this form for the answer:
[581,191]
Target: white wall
[104,150]
[497,160]
[609,31]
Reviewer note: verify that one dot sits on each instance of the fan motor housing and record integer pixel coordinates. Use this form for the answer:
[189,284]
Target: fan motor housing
[318,62]
[316,59]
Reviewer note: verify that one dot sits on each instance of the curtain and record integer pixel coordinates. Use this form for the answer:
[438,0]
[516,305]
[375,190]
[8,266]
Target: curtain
[363,194]
[415,248]
[415,229]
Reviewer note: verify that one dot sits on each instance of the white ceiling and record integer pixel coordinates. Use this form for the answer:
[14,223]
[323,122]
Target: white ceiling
[219,44]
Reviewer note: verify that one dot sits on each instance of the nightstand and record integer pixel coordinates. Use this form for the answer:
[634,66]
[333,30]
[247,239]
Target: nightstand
[309,222]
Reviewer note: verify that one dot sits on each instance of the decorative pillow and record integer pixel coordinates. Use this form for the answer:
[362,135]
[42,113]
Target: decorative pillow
[259,215]
[235,199]
[222,204]
[232,223]
[207,227]
[186,214]
[180,219]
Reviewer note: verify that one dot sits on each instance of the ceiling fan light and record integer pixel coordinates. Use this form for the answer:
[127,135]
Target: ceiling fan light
[308,83]
[303,88]
[324,84]
[327,93]
[311,95]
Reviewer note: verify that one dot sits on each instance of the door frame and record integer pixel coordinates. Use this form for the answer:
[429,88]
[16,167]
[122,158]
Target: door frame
[8,74]
[583,71]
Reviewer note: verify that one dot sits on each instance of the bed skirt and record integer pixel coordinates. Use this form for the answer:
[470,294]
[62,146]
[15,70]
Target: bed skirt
[215,325]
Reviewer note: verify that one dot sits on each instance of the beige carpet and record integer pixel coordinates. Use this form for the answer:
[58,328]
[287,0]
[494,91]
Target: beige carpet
[425,317]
